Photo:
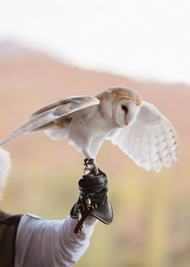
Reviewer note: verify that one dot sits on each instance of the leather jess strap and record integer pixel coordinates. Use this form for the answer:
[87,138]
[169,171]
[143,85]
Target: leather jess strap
[80,223]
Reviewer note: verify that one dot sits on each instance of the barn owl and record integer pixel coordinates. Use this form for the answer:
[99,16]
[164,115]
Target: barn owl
[117,114]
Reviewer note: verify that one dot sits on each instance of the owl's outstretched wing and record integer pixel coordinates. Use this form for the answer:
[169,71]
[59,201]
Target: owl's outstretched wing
[151,141]
[57,114]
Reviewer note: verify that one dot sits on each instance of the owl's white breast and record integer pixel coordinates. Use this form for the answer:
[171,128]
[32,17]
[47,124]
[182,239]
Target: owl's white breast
[86,125]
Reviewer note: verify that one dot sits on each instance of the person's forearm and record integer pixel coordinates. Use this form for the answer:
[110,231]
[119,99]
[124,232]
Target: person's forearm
[75,244]
[42,243]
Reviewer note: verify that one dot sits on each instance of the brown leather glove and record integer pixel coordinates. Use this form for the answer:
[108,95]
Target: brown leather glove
[93,200]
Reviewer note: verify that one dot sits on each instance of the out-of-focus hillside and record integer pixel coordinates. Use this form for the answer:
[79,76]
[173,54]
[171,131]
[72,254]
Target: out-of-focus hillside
[151,225]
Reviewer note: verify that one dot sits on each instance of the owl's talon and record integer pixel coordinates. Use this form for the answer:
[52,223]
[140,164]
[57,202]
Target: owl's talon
[86,162]
[101,172]
[91,161]
[91,169]
[91,165]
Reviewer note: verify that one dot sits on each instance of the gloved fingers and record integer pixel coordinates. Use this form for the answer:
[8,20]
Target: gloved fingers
[96,190]
[93,199]
[92,182]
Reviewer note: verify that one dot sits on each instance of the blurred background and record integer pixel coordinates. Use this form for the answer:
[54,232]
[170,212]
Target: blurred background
[59,48]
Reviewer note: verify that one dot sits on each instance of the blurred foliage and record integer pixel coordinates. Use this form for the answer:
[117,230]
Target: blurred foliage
[152,215]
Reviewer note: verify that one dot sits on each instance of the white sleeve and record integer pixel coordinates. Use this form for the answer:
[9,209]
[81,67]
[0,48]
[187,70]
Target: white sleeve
[42,243]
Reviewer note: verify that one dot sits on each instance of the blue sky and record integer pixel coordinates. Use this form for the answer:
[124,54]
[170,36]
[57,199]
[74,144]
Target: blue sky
[142,39]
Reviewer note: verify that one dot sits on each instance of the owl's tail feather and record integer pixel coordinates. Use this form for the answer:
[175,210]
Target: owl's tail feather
[5,165]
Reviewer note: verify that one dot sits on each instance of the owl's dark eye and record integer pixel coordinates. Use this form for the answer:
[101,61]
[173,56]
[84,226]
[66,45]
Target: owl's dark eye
[124,108]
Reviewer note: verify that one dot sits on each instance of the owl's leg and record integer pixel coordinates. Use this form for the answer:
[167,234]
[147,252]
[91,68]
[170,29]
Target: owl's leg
[89,161]
[91,165]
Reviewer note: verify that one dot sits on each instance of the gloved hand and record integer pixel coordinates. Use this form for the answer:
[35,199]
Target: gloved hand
[93,200]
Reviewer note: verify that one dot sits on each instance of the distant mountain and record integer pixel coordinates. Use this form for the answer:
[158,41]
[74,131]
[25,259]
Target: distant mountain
[8,48]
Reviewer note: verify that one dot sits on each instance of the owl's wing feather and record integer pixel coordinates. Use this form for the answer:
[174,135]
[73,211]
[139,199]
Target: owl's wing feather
[67,105]
[151,141]
[51,113]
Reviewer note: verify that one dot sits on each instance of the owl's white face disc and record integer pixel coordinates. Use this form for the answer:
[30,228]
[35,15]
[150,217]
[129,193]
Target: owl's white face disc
[125,112]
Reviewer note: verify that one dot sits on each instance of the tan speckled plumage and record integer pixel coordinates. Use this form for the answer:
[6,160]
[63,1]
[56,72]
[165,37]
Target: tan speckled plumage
[119,93]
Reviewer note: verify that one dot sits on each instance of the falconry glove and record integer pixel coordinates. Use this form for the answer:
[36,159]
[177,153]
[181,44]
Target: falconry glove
[93,200]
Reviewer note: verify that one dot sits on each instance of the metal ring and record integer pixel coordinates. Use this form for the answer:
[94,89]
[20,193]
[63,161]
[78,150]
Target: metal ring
[79,206]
